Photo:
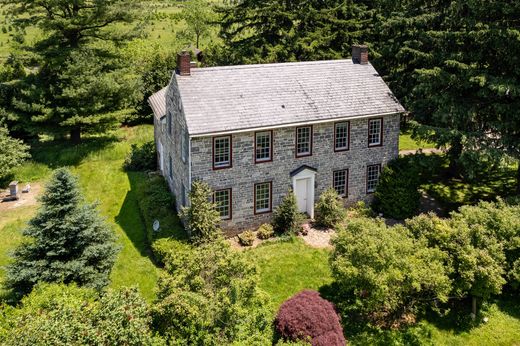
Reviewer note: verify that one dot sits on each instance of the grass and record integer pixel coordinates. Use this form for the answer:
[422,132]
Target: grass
[288,267]
[97,162]
[407,143]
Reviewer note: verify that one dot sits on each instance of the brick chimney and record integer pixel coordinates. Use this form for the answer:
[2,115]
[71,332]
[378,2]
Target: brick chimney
[183,63]
[360,54]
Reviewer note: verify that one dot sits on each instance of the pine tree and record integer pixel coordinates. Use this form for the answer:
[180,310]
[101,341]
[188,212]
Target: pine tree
[286,218]
[68,241]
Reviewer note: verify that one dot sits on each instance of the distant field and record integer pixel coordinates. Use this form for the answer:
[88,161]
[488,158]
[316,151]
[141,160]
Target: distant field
[161,31]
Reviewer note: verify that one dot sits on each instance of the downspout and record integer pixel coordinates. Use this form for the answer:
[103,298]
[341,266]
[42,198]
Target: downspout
[189,168]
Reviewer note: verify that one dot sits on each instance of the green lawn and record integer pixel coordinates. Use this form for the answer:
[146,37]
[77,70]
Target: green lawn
[288,267]
[97,162]
[407,143]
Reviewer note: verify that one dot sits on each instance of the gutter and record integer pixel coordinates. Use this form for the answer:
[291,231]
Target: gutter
[312,122]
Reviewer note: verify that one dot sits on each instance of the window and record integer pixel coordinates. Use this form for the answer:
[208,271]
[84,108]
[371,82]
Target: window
[341,136]
[222,199]
[340,182]
[169,121]
[183,148]
[221,152]
[373,173]
[170,166]
[263,146]
[375,132]
[303,141]
[263,198]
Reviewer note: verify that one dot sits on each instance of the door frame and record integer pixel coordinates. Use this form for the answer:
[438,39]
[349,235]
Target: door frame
[310,176]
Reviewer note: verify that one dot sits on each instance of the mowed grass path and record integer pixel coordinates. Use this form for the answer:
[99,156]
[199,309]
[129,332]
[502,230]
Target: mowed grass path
[97,162]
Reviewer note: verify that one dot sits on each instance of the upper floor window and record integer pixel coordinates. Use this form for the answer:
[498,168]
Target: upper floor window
[375,132]
[341,136]
[169,122]
[222,152]
[373,173]
[184,148]
[340,182]
[222,200]
[263,195]
[263,146]
[303,141]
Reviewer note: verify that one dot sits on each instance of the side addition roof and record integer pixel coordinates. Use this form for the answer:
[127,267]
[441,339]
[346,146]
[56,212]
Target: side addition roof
[235,98]
[158,103]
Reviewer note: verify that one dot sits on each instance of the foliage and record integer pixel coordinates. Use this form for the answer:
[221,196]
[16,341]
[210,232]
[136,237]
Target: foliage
[308,316]
[265,231]
[360,209]
[199,17]
[329,209]
[13,153]
[156,74]
[286,218]
[209,296]
[142,157]
[68,315]
[156,202]
[397,195]
[165,249]
[246,238]
[68,241]
[201,217]
[385,271]
[78,82]
[256,31]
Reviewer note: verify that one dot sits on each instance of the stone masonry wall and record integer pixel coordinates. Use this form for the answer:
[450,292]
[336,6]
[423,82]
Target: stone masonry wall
[245,173]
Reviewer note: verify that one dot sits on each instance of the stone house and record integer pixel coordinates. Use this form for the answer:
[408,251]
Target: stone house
[254,132]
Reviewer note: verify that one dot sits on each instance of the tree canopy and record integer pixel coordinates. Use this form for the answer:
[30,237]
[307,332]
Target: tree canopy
[13,152]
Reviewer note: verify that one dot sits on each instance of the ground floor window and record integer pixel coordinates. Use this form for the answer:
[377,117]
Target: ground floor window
[263,194]
[340,182]
[222,200]
[373,172]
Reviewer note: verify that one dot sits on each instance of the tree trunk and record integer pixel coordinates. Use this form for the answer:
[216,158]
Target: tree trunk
[454,154]
[75,135]
[473,307]
[198,38]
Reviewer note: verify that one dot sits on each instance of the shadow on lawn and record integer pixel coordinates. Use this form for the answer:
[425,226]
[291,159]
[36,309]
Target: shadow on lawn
[60,153]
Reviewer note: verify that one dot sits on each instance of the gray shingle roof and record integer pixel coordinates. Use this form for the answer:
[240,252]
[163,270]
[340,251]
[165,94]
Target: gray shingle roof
[221,99]
[158,103]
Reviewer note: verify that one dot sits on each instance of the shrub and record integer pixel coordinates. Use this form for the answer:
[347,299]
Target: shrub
[68,315]
[210,296]
[265,231]
[141,158]
[397,194]
[307,316]
[166,249]
[329,209]
[246,238]
[201,218]
[286,218]
[385,271]
[157,203]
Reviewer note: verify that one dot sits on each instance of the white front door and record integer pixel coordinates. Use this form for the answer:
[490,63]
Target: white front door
[302,194]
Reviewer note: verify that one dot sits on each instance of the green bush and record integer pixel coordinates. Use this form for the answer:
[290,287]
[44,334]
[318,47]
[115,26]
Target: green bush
[201,218]
[329,209]
[157,203]
[166,248]
[397,195]
[68,315]
[265,231]
[210,296]
[141,158]
[246,238]
[286,218]
[385,272]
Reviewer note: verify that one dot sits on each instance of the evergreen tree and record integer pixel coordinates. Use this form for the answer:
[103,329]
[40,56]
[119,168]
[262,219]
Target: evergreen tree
[255,31]
[201,218]
[12,153]
[79,83]
[286,218]
[68,241]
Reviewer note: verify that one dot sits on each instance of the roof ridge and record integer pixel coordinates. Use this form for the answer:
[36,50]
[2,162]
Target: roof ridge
[276,64]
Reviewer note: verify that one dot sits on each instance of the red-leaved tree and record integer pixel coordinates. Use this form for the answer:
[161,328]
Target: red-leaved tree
[307,316]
